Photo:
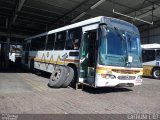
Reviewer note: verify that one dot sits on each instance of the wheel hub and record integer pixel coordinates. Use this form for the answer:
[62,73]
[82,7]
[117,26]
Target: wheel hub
[56,75]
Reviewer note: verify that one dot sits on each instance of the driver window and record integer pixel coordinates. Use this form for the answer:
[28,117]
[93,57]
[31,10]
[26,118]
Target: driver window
[73,39]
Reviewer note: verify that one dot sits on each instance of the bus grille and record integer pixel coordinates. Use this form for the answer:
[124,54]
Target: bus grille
[126,77]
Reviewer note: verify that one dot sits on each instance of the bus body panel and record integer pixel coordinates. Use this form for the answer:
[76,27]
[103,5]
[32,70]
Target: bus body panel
[147,70]
[46,60]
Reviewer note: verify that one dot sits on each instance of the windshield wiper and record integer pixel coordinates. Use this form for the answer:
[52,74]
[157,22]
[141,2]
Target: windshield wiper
[127,63]
[119,33]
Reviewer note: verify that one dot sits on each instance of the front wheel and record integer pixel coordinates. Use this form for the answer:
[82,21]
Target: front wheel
[69,77]
[156,73]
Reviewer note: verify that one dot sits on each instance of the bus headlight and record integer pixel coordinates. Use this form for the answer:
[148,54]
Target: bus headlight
[108,76]
[139,77]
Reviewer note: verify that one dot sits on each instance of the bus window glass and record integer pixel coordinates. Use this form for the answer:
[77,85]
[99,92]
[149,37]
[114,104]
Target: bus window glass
[116,45]
[38,43]
[60,40]
[158,55]
[33,44]
[73,39]
[50,42]
[42,42]
[133,44]
[148,55]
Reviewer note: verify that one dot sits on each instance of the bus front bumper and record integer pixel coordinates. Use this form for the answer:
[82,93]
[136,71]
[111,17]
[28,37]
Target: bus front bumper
[108,82]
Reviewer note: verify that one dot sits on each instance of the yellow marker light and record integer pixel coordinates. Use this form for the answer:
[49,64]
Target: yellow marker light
[139,79]
[109,72]
[108,76]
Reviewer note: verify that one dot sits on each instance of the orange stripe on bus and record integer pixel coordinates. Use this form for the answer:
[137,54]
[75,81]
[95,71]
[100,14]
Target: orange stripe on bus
[51,61]
[122,71]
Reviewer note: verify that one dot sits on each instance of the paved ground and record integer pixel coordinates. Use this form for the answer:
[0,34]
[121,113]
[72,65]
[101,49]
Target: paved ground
[29,93]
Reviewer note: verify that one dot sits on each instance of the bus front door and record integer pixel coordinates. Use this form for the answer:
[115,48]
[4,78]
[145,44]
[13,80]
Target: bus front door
[88,57]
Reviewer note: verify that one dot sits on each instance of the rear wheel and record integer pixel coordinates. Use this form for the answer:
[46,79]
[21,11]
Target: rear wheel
[156,73]
[69,77]
[58,77]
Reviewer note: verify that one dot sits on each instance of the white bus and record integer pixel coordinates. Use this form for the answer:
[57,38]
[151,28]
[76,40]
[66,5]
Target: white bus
[99,52]
[15,53]
[151,60]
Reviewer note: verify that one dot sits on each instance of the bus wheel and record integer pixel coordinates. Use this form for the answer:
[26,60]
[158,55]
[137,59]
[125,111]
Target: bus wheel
[156,73]
[69,77]
[58,77]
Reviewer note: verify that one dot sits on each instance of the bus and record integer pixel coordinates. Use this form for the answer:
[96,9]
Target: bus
[15,53]
[98,52]
[151,60]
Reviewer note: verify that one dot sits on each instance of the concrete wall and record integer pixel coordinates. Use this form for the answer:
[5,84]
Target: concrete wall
[149,34]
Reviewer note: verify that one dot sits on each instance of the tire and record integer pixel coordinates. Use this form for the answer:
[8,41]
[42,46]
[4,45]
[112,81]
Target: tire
[156,73]
[58,77]
[69,77]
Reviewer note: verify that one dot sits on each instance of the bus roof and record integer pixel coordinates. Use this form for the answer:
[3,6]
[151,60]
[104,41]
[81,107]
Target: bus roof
[78,24]
[151,46]
[82,23]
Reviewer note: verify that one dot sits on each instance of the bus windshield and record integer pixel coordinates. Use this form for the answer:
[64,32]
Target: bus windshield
[116,45]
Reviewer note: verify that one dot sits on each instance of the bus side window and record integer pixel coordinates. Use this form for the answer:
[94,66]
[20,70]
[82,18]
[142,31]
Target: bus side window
[60,41]
[148,55]
[73,39]
[158,55]
[33,44]
[50,42]
[42,42]
[38,43]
